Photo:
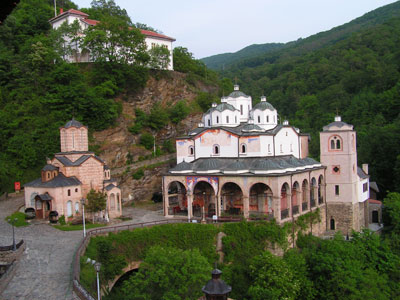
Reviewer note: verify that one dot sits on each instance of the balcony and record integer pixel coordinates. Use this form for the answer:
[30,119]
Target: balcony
[304,206]
[284,214]
[295,210]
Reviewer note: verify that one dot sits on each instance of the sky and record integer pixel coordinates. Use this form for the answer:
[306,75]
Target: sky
[209,27]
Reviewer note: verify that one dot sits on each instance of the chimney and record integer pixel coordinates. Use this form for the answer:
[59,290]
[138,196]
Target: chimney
[338,119]
[365,168]
[61,10]
[263,99]
[236,87]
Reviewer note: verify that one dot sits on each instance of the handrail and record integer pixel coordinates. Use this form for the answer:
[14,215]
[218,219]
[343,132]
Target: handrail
[78,288]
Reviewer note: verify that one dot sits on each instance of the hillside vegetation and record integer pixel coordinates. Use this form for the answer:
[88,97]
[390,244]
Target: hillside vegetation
[357,76]
[40,92]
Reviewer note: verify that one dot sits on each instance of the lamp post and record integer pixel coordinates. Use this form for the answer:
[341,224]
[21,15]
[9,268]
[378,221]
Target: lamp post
[97,266]
[12,222]
[83,216]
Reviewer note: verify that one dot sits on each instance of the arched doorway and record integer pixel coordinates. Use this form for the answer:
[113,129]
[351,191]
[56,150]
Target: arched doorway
[232,199]
[112,202]
[304,193]
[332,224]
[375,216]
[320,189]
[295,200]
[204,200]
[261,200]
[312,192]
[177,199]
[285,190]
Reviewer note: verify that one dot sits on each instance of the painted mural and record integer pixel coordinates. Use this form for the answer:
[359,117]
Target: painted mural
[192,180]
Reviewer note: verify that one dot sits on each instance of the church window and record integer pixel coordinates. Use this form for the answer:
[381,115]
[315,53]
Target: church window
[336,169]
[191,150]
[48,175]
[332,144]
[259,119]
[216,149]
[209,122]
[77,207]
[73,140]
[281,148]
[269,147]
[243,148]
[118,205]
[69,192]
[227,119]
[335,143]
[241,109]
[365,187]
[274,120]
[291,147]
[332,224]
[217,119]
[337,190]
[286,133]
[235,119]
[267,119]
[76,190]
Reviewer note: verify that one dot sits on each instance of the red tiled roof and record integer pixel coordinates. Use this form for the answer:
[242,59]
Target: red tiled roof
[156,35]
[90,21]
[374,201]
[77,12]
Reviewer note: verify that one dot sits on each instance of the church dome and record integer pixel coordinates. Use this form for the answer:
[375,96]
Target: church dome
[252,128]
[221,107]
[237,94]
[263,106]
[73,123]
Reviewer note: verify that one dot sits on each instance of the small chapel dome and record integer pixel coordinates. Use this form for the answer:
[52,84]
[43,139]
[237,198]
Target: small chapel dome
[73,123]
[263,105]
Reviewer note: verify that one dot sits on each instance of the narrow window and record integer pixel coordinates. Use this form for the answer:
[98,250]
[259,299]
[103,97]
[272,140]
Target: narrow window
[227,119]
[267,119]
[76,190]
[269,147]
[48,175]
[191,150]
[338,144]
[216,149]
[243,148]
[336,190]
[209,122]
[69,192]
[332,144]
[332,224]
[365,187]
[259,119]
[217,119]
[235,119]
[291,147]
[241,109]
[281,148]
[274,120]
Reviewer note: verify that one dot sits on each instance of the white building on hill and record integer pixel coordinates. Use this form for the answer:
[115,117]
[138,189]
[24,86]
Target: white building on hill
[151,38]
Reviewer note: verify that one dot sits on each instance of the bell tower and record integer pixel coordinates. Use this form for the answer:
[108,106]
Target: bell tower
[74,137]
[339,155]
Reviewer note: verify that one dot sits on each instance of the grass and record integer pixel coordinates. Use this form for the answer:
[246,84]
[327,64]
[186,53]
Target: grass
[70,227]
[20,219]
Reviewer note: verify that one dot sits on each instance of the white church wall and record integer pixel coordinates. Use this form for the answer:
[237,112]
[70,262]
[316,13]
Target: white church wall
[204,144]
[266,145]
[362,193]
[183,150]
[287,142]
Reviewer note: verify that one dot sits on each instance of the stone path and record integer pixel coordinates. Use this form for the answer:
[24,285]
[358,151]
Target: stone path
[45,270]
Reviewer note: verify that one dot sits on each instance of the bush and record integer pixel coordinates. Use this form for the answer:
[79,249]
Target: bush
[147,140]
[178,112]
[17,219]
[138,174]
[61,220]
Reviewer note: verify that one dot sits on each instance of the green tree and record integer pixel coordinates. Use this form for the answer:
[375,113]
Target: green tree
[96,201]
[159,57]
[168,273]
[178,112]
[272,278]
[147,140]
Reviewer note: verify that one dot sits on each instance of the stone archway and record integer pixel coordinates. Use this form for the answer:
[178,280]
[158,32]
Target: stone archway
[295,198]
[131,266]
[261,200]
[204,200]
[177,199]
[285,191]
[232,199]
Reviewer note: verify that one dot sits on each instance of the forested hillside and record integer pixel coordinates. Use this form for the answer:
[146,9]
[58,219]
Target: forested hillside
[358,77]
[39,92]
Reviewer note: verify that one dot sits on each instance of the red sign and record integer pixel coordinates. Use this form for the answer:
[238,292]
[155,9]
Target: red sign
[17,186]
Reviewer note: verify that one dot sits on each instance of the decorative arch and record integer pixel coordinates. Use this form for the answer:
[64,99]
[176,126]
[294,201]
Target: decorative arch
[32,200]
[216,149]
[232,198]
[335,143]
[177,198]
[69,208]
[204,199]
[313,189]
[243,148]
[304,193]
[261,199]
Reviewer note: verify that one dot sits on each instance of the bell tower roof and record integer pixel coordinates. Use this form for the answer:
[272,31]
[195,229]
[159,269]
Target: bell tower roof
[73,123]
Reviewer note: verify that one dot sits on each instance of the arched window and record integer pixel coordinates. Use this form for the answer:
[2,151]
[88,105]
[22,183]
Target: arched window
[267,119]
[332,224]
[259,119]
[269,147]
[48,175]
[69,192]
[118,204]
[33,199]
[335,143]
[243,148]
[76,190]
[235,119]
[191,150]
[209,122]
[216,149]
[69,208]
[77,207]
[281,148]
[112,202]
[217,120]
[241,109]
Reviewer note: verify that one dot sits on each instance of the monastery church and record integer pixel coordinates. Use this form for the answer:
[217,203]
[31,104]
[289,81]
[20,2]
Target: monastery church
[241,161]
[70,175]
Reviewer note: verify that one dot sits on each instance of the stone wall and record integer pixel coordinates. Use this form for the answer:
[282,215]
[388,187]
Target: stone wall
[342,213]
[10,258]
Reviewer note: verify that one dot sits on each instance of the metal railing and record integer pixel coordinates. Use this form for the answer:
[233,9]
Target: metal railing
[284,214]
[295,210]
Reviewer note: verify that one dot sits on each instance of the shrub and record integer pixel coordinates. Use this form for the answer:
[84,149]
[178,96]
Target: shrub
[147,140]
[61,220]
[138,174]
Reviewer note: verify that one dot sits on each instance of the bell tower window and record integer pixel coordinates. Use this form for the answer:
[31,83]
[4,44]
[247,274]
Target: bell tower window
[335,143]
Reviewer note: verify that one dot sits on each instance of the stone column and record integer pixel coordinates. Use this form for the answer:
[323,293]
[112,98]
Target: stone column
[277,208]
[190,205]
[246,207]
[165,199]
[289,199]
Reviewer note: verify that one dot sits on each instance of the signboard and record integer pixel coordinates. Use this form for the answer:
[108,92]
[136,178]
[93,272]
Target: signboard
[17,186]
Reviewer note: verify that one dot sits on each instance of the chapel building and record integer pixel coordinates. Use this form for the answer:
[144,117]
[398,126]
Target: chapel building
[70,175]
[241,161]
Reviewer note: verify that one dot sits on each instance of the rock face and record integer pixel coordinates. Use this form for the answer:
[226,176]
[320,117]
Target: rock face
[119,148]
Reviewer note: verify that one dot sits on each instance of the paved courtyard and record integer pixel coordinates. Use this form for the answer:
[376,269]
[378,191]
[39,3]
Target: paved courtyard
[45,270]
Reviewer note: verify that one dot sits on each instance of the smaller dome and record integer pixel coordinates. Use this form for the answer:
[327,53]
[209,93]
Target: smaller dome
[252,128]
[221,107]
[73,123]
[263,105]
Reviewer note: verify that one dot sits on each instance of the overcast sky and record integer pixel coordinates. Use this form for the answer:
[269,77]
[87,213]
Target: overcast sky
[208,27]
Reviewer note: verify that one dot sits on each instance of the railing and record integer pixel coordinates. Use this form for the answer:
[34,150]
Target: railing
[295,210]
[258,215]
[284,214]
[320,200]
[312,202]
[78,288]
[304,206]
